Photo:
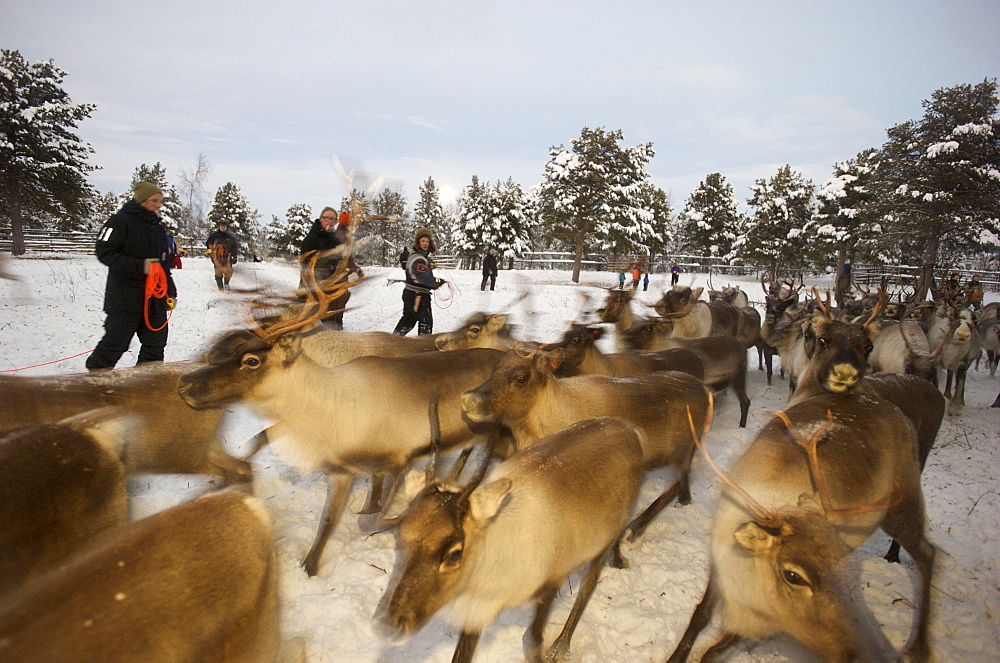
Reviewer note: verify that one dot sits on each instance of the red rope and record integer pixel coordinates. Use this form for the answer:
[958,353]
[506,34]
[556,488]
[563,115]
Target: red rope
[54,361]
[156,287]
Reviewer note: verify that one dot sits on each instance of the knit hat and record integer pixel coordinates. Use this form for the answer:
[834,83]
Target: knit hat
[344,218]
[423,232]
[142,191]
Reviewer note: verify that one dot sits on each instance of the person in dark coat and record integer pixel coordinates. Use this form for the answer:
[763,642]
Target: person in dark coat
[489,270]
[130,243]
[223,247]
[327,233]
[420,281]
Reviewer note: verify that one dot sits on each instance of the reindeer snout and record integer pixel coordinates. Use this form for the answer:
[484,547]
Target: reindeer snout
[474,405]
[842,378]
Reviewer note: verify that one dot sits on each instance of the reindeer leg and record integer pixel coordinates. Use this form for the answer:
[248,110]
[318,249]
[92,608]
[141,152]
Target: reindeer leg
[456,469]
[639,524]
[957,403]
[560,648]
[337,490]
[725,642]
[466,647]
[374,502]
[699,620]
[534,636]
[231,469]
[905,523]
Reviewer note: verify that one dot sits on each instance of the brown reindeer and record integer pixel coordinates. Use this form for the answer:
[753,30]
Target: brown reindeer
[348,420]
[193,583]
[171,436]
[697,319]
[581,356]
[795,504]
[724,358]
[524,396]
[61,484]
[548,510]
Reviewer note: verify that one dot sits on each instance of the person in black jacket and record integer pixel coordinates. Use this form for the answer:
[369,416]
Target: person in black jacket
[224,248]
[420,281]
[489,270]
[131,242]
[328,232]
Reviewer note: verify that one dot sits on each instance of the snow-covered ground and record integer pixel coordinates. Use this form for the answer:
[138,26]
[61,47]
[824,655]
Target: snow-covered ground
[637,614]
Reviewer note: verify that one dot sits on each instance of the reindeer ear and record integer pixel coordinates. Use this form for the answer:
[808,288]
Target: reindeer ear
[696,294]
[549,360]
[487,501]
[758,540]
[495,322]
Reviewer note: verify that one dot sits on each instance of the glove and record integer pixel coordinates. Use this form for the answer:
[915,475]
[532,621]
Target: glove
[147,265]
[232,260]
[171,302]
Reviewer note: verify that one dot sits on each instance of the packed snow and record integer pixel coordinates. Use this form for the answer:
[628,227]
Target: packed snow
[53,312]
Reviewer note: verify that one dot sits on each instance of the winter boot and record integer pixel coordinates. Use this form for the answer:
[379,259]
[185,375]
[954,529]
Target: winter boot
[218,282]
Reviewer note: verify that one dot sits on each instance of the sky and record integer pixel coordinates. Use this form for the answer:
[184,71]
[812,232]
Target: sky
[274,96]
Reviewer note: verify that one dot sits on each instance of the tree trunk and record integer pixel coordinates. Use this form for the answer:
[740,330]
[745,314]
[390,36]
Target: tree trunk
[578,259]
[16,227]
[925,281]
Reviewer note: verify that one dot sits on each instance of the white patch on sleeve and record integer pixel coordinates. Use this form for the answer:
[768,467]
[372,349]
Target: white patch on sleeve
[105,234]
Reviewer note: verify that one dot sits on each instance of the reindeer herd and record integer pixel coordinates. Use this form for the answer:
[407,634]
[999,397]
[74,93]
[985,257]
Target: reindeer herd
[503,465]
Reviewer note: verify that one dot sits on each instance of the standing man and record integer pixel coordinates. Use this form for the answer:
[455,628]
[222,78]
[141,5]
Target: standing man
[489,270]
[223,248]
[133,245]
[420,281]
[635,276]
[675,273]
[973,293]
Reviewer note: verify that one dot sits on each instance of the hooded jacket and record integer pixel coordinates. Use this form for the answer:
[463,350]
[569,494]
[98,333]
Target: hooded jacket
[126,240]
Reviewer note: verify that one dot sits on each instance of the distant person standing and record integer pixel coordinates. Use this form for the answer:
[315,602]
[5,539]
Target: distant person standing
[420,281]
[842,288]
[133,244]
[675,273]
[973,293]
[645,282]
[636,273]
[223,247]
[621,280]
[489,270]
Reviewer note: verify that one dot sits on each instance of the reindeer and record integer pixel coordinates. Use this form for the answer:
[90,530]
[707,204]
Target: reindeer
[793,507]
[170,437]
[546,511]
[838,355]
[61,484]
[989,334]
[480,330]
[326,412]
[954,328]
[618,311]
[523,395]
[697,319]
[779,304]
[724,358]
[581,357]
[193,583]
[902,347]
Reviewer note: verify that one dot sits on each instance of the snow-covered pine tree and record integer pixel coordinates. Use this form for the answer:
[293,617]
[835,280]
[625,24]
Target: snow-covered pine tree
[386,237]
[285,236]
[429,213]
[711,221]
[774,233]
[43,163]
[232,207]
[475,213]
[938,178]
[841,225]
[592,192]
[513,220]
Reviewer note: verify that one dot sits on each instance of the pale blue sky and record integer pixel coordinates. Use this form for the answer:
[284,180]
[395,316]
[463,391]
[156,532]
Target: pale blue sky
[451,89]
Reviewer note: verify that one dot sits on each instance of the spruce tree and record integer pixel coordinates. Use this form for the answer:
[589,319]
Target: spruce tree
[386,237]
[285,236]
[428,213]
[232,207]
[472,229]
[774,232]
[43,163]
[710,222]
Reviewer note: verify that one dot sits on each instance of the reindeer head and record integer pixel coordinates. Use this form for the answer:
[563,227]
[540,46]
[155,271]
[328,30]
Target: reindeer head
[479,331]
[513,388]
[838,351]
[678,301]
[575,343]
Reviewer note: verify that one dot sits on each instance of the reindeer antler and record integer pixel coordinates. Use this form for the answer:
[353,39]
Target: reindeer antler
[883,298]
[825,310]
[318,299]
[810,446]
[757,511]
